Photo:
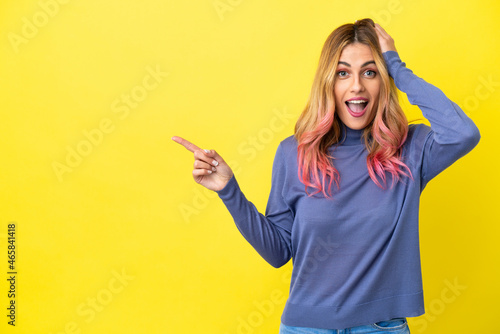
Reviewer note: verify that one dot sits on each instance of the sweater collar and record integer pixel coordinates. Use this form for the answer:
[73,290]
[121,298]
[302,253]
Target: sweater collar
[350,137]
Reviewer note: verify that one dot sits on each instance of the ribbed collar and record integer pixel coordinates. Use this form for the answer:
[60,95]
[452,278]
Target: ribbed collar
[350,137]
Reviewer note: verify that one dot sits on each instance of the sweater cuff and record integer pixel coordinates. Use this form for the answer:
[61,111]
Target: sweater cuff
[390,56]
[230,189]
[403,76]
[392,61]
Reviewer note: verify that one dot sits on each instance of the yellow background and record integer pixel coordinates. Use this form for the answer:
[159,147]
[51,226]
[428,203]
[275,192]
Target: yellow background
[125,242]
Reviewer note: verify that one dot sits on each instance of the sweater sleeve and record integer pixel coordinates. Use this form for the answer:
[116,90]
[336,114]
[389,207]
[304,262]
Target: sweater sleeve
[269,234]
[452,133]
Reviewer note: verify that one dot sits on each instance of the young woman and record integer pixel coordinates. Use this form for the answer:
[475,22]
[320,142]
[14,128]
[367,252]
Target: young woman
[345,189]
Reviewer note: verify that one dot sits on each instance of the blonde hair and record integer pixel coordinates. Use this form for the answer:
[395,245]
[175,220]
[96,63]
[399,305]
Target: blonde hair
[319,127]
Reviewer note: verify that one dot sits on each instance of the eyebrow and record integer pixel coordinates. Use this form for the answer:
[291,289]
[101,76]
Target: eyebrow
[365,64]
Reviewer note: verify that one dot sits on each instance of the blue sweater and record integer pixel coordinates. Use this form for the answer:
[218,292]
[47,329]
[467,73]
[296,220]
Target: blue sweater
[356,257]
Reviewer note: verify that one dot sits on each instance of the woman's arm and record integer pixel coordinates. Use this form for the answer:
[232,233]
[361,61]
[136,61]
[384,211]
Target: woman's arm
[453,134]
[269,234]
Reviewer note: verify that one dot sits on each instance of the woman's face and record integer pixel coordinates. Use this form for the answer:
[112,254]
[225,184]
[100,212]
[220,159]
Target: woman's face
[357,86]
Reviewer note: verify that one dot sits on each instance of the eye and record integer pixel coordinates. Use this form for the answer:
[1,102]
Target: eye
[370,73]
[342,74]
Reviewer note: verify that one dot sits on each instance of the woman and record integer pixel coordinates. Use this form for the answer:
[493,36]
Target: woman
[345,189]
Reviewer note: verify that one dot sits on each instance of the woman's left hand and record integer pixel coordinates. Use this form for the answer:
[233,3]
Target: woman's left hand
[384,39]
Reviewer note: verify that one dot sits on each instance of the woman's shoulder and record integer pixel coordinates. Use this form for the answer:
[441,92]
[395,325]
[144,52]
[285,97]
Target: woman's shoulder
[288,145]
[417,131]
[416,139]
[286,155]
[289,141]
[286,152]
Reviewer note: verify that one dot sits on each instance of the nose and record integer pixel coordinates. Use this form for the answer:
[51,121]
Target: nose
[357,84]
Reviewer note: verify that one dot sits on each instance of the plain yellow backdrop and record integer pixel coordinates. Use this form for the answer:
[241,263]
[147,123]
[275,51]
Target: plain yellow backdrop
[113,235]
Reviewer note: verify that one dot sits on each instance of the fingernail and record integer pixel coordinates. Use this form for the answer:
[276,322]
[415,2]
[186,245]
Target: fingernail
[209,172]
[207,151]
[215,163]
[214,169]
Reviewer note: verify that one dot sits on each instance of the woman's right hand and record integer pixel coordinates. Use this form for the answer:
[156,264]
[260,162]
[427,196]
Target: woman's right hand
[210,170]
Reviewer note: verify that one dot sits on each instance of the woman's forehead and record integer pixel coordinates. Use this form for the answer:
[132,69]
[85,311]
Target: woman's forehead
[356,54]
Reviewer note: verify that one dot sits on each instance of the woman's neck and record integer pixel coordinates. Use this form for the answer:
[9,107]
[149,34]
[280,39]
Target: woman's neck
[350,137]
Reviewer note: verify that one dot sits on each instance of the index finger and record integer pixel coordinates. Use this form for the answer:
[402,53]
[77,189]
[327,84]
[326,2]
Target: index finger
[188,145]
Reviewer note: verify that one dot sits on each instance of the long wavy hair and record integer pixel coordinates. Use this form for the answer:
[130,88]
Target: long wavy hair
[319,126]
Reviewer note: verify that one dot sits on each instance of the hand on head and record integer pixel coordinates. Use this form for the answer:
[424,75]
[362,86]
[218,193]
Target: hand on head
[210,170]
[385,40]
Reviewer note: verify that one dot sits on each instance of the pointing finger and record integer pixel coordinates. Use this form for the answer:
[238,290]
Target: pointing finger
[188,145]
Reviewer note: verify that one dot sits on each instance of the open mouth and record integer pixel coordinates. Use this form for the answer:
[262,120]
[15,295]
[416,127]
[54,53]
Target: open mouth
[357,108]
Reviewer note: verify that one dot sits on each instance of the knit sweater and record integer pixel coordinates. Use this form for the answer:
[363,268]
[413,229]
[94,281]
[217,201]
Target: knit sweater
[356,257]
